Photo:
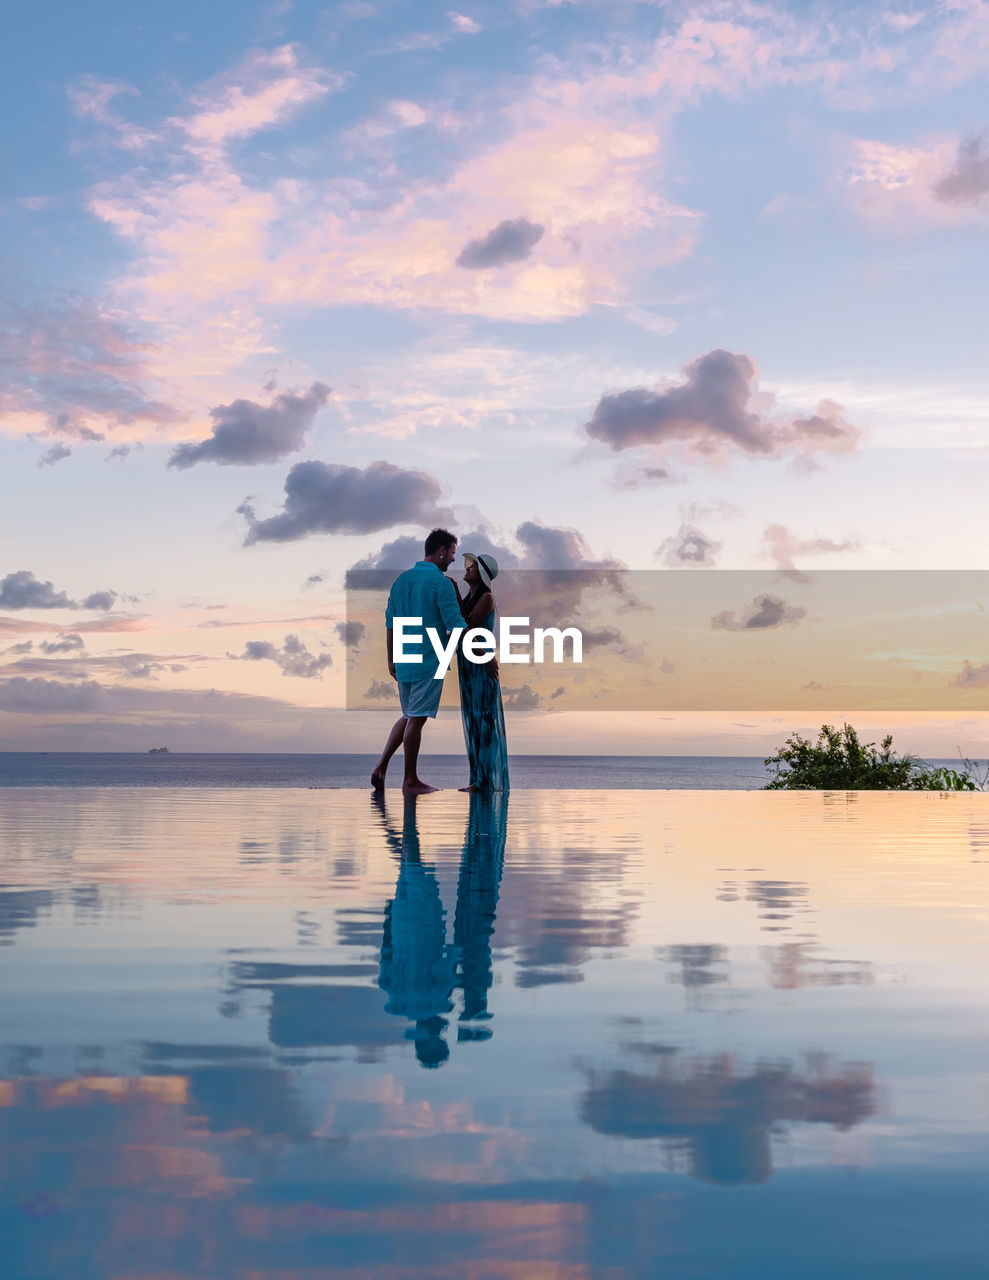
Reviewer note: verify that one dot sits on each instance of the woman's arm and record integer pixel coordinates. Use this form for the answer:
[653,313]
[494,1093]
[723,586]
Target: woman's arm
[479,614]
[482,606]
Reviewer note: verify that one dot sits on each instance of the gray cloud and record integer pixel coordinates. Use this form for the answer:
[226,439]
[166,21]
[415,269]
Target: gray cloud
[314,580]
[39,695]
[555,547]
[247,434]
[323,497]
[968,181]
[710,410]
[522,699]
[101,600]
[765,613]
[510,241]
[972,677]
[119,451]
[351,632]
[22,590]
[641,477]
[688,547]
[54,455]
[403,552]
[381,689]
[66,643]
[293,659]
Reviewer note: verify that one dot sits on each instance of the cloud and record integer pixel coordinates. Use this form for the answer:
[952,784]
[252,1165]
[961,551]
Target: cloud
[522,699]
[24,647]
[464,23]
[688,547]
[511,241]
[102,600]
[314,580]
[90,98]
[381,689]
[766,612]
[120,451]
[74,367]
[557,547]
[22,590]
[263,92]
[815,684]
[972,677]
[968,181]
[66,643]
[324,497]
[54,455]
[293,659]
[351,632]
[781,545]
[712,409]
[247,434]
[640,476]
[39,695]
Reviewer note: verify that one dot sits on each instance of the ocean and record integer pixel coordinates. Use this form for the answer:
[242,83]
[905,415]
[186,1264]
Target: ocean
[340,770]
[133,769]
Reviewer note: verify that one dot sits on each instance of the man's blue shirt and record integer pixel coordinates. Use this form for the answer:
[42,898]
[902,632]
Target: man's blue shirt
[424,591]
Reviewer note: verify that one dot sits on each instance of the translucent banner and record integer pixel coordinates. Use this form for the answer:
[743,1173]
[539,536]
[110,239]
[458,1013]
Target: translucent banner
[712,640]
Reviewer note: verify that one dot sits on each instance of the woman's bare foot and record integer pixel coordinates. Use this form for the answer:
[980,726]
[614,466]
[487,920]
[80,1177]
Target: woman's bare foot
[378,779]
[471,790]
[417,788]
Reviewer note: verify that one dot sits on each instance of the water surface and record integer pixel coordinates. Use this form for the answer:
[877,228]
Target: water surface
[288,1034]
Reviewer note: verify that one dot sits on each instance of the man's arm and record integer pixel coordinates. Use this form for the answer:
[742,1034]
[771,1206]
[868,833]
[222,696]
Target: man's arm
[448,603]
[390,641]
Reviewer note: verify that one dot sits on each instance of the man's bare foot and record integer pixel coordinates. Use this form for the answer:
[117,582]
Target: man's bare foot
[378,779]
[471,790]
[417,788]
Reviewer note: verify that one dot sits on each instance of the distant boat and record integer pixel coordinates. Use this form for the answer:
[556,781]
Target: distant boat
[158,751]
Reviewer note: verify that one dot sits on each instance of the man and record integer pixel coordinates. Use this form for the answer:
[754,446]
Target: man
[425,592]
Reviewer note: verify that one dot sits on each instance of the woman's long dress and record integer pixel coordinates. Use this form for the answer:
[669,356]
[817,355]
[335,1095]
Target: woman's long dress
[484,723]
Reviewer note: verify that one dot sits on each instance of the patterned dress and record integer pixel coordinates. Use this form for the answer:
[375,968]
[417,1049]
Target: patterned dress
[484,721]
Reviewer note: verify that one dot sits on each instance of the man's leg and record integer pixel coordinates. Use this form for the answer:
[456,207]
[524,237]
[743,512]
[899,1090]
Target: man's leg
[413,784]
[391,746]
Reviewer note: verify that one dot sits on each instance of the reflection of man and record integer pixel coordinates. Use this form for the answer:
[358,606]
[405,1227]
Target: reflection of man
[417,968]
[423,592]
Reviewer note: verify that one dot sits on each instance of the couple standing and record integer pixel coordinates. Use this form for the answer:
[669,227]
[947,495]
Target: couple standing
[425,592]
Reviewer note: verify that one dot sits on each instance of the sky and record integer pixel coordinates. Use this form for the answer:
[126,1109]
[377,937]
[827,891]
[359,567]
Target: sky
[627,285]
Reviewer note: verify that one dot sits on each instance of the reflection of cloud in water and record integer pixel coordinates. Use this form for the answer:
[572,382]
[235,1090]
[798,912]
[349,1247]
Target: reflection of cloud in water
[778,900]
[720,1114]
[22,909]
[555,921]
[799,964]
[695,966]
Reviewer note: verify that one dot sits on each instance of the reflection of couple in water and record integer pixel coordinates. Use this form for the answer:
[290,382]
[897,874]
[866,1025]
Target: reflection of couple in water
[425,592]
[420,970]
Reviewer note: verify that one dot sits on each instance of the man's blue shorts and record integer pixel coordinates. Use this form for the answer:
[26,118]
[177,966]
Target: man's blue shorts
[420,697]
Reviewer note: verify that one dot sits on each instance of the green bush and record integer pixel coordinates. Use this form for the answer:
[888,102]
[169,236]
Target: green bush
[839,762]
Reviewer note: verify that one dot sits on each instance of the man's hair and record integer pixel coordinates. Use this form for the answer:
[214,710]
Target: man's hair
[439,538]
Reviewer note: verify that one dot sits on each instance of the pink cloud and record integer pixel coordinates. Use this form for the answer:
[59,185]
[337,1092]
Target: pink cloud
[264,91]
[896,186]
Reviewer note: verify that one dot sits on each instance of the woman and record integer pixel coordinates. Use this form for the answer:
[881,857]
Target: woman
[480,689]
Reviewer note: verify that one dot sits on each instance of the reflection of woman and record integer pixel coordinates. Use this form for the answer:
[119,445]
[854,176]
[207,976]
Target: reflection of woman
[477,901]
[480,688]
